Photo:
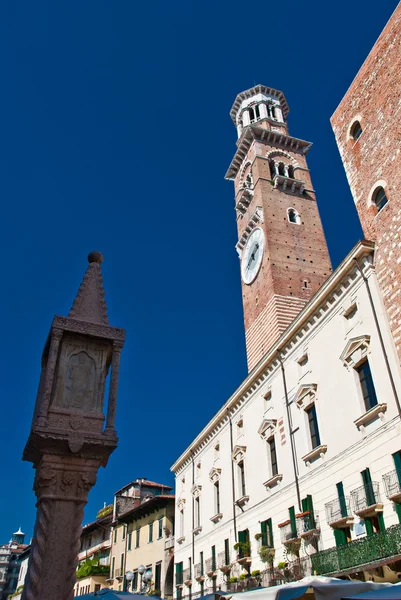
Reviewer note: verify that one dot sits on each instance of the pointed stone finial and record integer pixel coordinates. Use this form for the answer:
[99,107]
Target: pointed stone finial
[89,304]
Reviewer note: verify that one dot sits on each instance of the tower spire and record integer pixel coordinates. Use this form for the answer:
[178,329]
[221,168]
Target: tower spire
[89,304]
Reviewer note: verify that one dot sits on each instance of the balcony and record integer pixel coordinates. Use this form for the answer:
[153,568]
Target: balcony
[104,545]
[307,525]
[119,573]
[169,543]
[339,513]
[287,533]
[392,485]
[223,561]
[198,571]
[211,569]
[369,551]
[187,576]
[366,500]
[287,183]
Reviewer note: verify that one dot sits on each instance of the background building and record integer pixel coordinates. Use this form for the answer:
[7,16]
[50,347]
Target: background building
[300,470]
[94,558]
[143,534]
[10,564]
[367,127]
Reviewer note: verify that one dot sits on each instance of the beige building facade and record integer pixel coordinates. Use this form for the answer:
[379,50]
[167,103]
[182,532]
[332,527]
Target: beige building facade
[143,535]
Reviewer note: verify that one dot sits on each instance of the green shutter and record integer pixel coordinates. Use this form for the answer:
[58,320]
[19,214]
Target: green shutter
[270,541]
[369,526]
[309,502]
[367,484]
[241,537]
[380,519]
[340,536]
[304,503]
[397,463]
[341,497]
[291,512]
[398,511]
[263,527]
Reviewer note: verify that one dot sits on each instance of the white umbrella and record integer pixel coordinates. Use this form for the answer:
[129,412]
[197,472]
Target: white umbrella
[325,588]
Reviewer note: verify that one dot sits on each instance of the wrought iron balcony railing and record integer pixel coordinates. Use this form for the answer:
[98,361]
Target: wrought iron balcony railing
[198,570]
[365,496]
[187,575]
[179,578]
[338,509]
[385,544]
[223,559]
[392,484]
[288,533]
[210,565]
[307,524]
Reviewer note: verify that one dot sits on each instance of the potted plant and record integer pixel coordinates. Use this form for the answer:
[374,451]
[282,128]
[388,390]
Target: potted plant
[267,555]
[233,579]
[243,576]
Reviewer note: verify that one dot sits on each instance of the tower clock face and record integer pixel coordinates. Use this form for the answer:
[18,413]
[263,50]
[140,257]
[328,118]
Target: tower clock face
[252,256]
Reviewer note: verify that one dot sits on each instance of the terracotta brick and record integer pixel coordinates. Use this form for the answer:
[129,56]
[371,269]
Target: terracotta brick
[374,99]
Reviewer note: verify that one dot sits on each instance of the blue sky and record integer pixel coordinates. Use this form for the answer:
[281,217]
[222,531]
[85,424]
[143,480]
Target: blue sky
[115,135]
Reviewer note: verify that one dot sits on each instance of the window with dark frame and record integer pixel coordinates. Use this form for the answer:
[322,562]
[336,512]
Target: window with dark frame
[241,470]
[313,426]
[150,533]
[379,198]
[137,535]
[367,385]
[129,541]
[273,456]
[217,497]
[356,130]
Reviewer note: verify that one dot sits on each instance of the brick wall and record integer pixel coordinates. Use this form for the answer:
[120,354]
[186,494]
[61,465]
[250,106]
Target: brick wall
[374,98]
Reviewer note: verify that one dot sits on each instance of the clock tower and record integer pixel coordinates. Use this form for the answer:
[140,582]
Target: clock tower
[281,243]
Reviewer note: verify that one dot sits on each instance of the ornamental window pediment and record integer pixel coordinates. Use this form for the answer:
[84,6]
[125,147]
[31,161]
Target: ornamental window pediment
[306,395]
[181,504]
[238,453]
[214,475]
[196,490]
[355,351]
[267,428]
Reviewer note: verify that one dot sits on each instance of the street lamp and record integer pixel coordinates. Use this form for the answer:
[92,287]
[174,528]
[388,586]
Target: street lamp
[129,576]
[146,578]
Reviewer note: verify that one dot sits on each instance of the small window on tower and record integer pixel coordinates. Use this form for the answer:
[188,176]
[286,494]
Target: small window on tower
[356,130]
[379,198]
[291,172]
[252,115]
[281,169]
[293,216]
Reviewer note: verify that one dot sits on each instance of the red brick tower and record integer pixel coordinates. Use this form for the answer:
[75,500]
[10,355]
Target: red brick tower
[281,243]
[367,126]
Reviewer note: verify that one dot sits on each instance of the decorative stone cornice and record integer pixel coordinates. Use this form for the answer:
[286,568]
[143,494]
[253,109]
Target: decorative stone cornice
[317,452]
[181,504]
[267,428]
[238,453]
[355,351]
[214,475]
[306,395]
[377,412]
[273,138]
[196,490]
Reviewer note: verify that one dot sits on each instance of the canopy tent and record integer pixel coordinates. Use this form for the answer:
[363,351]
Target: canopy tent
[322,588]
[107,594]
[391,592]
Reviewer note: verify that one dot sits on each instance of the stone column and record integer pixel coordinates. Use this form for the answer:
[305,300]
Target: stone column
[263,111]
[67,443]
[246,119]
[61,487]
[279,114]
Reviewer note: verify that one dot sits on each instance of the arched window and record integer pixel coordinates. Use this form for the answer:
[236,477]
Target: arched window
[251,114]
[272,112]
[293,216]
[356,130]
[257,113]
[379,198]
[272,168]
[291,171]
[281,169]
